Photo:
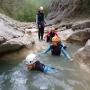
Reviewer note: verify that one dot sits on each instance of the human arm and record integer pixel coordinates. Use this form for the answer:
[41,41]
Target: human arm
[66,55]
[47,35]
[47,50]
[63,45]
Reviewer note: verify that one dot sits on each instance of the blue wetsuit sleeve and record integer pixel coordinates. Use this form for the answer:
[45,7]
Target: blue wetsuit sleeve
[62,43]
[66,55]
[48,69]
[48,49]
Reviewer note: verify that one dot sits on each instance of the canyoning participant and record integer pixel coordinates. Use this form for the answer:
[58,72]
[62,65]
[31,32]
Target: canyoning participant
[56,47]
[40,23]
[51,34]
[33,63]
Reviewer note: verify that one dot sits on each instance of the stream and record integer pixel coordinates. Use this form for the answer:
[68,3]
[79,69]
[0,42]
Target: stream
[69,76]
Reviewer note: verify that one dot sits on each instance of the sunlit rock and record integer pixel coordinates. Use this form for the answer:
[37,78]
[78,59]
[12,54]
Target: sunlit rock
[12,38]
[80,36]
[83,55]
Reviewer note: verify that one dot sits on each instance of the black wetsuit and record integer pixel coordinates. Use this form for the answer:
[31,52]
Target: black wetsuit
[39,66]
[40,21]
[56,49]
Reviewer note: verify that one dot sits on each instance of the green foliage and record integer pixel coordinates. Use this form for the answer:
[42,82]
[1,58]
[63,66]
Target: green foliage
[23,10]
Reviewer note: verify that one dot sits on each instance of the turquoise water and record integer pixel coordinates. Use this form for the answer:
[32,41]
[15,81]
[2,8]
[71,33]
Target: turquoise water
[15,76]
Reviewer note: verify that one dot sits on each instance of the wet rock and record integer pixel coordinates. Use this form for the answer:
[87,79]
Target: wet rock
[83,54]
[81,25]
[66,26]
[15,44]
[2,40]
[61,9]
[80,36]
[10,46]
[11,37]
[64,34]
[21,26]
[87,43]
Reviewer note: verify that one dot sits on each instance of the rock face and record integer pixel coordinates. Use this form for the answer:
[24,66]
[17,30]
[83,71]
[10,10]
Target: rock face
[12,39]
[60,9]
[81,25]
[80,36]
[83,54]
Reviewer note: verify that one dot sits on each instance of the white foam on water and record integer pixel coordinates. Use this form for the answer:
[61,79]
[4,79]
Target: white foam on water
[44,83]
[18,80]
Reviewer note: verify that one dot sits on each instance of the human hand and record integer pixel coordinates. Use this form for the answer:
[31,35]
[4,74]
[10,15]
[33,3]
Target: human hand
[71,59]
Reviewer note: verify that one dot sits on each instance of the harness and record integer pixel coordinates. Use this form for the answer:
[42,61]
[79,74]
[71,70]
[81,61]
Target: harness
[56,49]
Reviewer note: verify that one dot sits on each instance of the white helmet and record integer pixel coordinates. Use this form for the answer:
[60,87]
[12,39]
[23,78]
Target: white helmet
[30,59]
[41,8]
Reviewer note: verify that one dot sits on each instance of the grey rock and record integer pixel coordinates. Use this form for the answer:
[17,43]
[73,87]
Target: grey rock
[2,40]
[60,9]
[80,36]
[83,25]
[11,37]
[82,56]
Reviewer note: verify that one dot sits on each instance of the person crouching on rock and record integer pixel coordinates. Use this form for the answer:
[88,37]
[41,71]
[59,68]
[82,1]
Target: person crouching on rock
[33,63]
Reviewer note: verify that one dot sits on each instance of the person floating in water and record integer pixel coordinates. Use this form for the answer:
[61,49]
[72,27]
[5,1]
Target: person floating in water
[56,47]
[51,34]
[33,63]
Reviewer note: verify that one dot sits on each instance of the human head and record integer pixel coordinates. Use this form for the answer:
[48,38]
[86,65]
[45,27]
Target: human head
[55,39]
[52,29]
[31,59]
[41,8]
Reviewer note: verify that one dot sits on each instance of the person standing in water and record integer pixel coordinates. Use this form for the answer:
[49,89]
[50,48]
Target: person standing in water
[40,23]
[56,47]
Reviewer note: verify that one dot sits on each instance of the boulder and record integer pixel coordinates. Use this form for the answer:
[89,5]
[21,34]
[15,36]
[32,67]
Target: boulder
[9,46]
[81,25]
[79,36]
[82,56]
[15,44]
[12,39]
[2,40]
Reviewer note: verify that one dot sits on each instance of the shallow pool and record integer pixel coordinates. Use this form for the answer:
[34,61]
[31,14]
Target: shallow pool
[68,75]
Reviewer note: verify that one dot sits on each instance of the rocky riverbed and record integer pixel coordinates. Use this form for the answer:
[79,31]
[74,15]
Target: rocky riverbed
[15,35]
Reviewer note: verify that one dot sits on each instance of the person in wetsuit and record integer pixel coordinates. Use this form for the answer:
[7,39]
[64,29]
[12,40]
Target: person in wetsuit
[56,47]
[33,63]
[40,23]
[50,34]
